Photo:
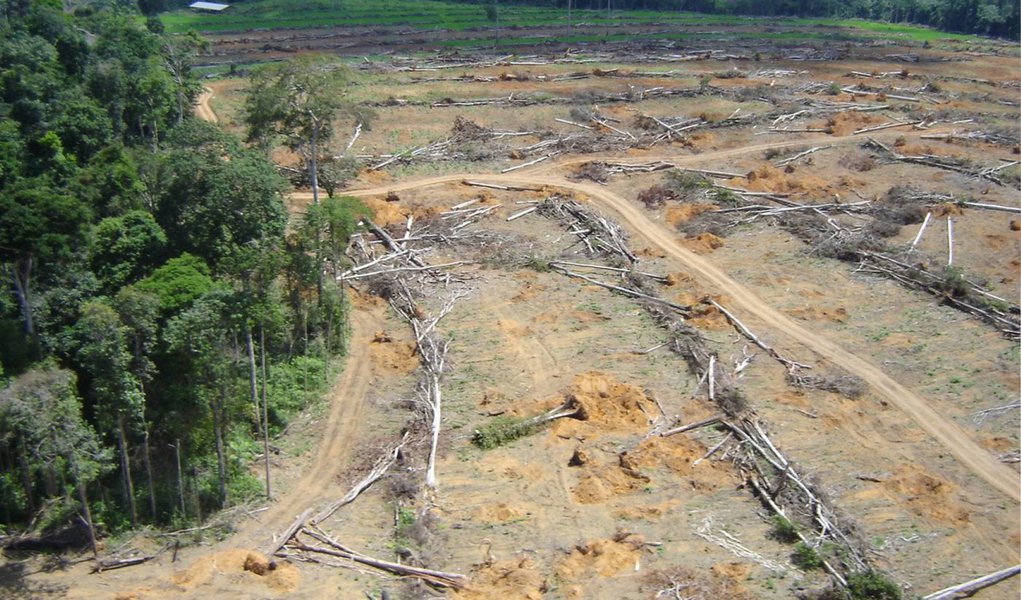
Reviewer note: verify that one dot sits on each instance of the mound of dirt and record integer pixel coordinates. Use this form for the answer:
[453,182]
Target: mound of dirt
[703,243]
[393,356]
[600,558]
[846,122]
[230,565]
[927,495]
[505,579]
[600,483]
[610,406]
[675,215]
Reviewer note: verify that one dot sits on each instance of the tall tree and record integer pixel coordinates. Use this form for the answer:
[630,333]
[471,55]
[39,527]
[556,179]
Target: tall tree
[300,100]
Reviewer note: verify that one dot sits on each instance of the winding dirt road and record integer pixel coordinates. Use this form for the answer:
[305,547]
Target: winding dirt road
[958,442]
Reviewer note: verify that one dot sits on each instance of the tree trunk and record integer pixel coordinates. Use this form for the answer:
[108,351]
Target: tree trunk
[221,451]
[253,386]
[313,167]
[86,512]
[26,475]
[180,478]
[127,485]
[21,274]
[265,409]
[147,456]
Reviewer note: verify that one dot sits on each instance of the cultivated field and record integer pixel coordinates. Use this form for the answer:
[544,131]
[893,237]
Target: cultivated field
[757,207]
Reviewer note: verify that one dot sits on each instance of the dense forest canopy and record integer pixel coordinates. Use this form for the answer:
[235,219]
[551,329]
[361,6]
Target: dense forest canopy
[1000,18]
[147,261]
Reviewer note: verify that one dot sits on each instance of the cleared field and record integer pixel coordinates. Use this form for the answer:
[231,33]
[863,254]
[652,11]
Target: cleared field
[889,401]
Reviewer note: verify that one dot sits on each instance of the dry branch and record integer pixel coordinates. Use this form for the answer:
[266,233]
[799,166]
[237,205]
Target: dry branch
[690,426]
[790,364]
[438,578]
[382,465]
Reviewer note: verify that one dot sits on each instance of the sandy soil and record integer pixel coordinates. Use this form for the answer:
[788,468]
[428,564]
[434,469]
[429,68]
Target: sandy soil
[599,508]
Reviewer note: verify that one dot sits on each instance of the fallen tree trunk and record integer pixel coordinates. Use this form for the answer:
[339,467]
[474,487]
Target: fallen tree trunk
[970,587]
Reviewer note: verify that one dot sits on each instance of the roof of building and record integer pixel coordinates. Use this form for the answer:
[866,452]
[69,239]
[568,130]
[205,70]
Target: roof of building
[215,6]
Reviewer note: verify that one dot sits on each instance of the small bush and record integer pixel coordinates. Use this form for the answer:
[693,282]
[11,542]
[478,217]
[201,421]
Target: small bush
[656,196]
[834,89]
[872,586]
[686,182]
[502,430]
[784,530]
[806,557]
[732,401]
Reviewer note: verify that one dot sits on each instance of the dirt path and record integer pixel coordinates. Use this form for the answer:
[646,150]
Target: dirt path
[746,303]
[947,433]
[202,108]
[346,401]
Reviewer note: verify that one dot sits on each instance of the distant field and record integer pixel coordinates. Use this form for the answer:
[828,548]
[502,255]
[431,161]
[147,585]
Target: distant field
[432,14]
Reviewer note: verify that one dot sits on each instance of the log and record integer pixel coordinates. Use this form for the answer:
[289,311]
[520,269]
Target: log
[382,465]
[769,502]
[439,578]
[624,290]
[790,364]
[884,126]
[714,449]
[1010,209]
[505,188]
[690,426]
[658,278]
[527,164]
[950,241]
[522,213]
[787,161]
[566,122]
[970,587]
[921,230]
[867,93]
[288,533]
[720,174]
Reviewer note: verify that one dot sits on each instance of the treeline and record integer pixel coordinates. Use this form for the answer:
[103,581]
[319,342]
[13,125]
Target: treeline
[161,318]
[1000,18]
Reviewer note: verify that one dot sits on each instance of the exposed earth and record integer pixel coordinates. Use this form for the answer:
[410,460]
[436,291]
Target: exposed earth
[606,507]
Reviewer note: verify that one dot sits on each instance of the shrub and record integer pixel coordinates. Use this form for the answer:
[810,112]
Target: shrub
[784,530]
[806,557]
[872,586]
[834,89]
[686,182]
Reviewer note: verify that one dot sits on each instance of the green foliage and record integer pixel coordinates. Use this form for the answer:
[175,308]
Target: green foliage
[806,557]
[179,282]
[213,196]
[502,430]
[125,248]
[872,585]
[686,182]
[784,530]
[41,421]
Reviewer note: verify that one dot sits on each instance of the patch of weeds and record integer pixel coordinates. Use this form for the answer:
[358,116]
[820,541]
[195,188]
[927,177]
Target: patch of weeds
[784,530]
[806,557]
[872,585]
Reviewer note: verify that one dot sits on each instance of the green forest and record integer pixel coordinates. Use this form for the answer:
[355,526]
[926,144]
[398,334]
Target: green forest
[162,318]
[988,17]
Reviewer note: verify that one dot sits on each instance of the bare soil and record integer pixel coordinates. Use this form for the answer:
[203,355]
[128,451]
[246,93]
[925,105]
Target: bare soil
[599,508]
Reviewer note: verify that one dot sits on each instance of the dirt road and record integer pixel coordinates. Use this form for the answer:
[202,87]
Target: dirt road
[746,303]
[346,400]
